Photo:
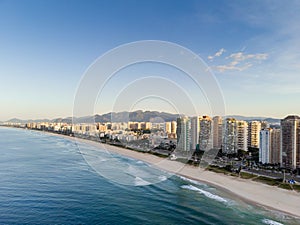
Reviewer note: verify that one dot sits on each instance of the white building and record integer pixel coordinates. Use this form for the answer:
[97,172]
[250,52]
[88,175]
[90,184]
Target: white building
[265,146]
[269,147]
[242,135]
[183,134]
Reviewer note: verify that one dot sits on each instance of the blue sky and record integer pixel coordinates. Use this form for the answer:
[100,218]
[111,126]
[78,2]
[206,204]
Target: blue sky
[252,47]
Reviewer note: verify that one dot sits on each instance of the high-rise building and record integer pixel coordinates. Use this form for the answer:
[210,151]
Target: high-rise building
[265,146]
[242,135]
[195,130]
[134,125]
[183,134]
[205,133]
[254,128]
[264,125]
[145,125]
[290,142]
[229,145]
[167,127]
[148,125]
[173,127]
[275,146]
[217,132]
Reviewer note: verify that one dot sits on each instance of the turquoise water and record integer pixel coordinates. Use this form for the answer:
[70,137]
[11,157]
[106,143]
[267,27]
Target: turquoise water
[44,179]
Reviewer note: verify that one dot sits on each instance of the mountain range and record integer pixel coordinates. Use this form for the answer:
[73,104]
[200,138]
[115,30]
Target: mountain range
[137,116]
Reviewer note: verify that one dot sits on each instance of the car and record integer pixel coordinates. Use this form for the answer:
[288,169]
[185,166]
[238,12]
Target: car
[173,157]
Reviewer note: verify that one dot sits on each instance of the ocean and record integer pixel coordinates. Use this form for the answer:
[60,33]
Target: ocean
[45,179]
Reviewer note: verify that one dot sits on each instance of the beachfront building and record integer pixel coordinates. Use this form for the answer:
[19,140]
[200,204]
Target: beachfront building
[242,135]
[170,129]
[205,133]
[265,146]
[195,130]
[85,129]
[167,128]
[269,147]
[217,126]
[157,126]
[254,128]
[146,125]
[183,133]
[173,127]
[173,130]
[229,145]
[290,142]
[275,146]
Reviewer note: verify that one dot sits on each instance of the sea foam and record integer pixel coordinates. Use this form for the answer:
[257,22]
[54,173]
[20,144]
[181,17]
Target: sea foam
[191,181]
[205,193]
[271,222]
[162,178]
[140,182]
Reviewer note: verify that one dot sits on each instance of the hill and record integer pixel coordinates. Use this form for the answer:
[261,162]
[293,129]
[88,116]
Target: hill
[137,116]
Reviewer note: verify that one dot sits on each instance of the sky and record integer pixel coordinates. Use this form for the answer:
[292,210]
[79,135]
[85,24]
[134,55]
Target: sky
[252,48]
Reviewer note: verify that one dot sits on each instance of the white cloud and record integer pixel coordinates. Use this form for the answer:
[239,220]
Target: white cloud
[217,54]
[220,52]
[239,61]
[240,56]
[232,66]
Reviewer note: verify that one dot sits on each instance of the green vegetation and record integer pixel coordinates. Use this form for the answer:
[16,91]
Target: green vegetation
[183,160]
[296,187]
[268,180]
[218,169]
[247,175]
[286,186]
[255,153]
[257,178]
[159,155]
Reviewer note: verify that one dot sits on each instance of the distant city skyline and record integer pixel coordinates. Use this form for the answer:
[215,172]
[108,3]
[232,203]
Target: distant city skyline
[251,47]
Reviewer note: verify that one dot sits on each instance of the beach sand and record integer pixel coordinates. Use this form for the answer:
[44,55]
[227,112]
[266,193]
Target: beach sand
[260,194]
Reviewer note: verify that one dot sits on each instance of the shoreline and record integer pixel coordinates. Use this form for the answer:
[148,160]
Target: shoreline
[262,195]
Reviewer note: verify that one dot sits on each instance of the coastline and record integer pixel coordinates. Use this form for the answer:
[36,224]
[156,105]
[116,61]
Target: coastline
[255,193]
[263,195]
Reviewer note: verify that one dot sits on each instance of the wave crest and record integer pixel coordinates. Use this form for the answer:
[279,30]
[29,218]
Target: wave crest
[205,193]
[271,222]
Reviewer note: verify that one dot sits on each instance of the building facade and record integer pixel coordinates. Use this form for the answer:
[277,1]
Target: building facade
[183,134]
[229,145]
[265,146]
[217,132]
[242,135]
[195,130]
[254,128]
[275,146]
[205,133]
[290,142]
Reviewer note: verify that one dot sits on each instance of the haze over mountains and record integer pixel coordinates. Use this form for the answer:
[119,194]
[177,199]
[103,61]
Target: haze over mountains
[138,116]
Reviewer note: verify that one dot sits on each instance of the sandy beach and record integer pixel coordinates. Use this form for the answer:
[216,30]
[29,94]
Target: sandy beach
[264,195]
